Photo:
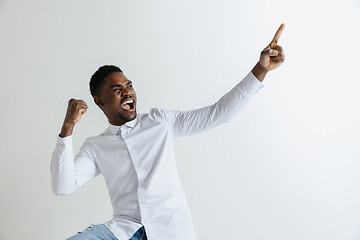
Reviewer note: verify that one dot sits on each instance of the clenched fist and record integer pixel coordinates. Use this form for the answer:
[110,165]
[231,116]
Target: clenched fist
[76,108]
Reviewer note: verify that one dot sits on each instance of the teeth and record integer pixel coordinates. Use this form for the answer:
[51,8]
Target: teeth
[128,101]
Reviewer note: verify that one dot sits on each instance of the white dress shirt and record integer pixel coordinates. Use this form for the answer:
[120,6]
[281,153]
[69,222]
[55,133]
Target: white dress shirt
[138,163]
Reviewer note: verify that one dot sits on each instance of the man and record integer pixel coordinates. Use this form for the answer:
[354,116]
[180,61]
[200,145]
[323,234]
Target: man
[135,154]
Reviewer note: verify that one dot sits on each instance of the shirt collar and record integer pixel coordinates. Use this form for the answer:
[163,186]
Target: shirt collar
[114,129]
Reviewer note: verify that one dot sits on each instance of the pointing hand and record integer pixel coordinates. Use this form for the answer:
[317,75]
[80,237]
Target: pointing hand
[273,56]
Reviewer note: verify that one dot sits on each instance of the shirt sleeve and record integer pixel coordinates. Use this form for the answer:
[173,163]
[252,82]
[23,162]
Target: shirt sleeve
[69,173]
[185,123]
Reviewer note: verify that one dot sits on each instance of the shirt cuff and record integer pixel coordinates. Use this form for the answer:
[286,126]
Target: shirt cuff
[251,83]
[63,146]
[64,141]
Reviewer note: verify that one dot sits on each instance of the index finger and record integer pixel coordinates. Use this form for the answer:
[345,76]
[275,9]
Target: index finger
[278,33]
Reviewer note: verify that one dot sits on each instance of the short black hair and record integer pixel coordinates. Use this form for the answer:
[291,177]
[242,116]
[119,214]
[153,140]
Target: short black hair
[97,79]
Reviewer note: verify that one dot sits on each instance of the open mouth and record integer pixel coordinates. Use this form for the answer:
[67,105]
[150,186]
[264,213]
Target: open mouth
[128,105]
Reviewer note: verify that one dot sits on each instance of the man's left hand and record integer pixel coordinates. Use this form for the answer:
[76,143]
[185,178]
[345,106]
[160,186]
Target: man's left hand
[273,55]
[270,58]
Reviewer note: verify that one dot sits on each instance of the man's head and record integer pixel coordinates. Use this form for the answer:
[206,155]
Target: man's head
[114,94]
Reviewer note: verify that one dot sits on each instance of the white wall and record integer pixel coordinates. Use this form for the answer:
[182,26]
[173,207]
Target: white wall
[287,167]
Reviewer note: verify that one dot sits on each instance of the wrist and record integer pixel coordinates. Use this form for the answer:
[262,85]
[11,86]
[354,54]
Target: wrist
[67,129]
[259,71]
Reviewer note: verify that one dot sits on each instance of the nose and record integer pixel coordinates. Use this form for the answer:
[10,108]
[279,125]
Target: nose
[125,93]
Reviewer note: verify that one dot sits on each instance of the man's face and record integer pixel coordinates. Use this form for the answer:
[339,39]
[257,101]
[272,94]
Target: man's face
[117,99]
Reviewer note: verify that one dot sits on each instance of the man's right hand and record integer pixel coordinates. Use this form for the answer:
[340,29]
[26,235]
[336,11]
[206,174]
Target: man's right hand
[76,108]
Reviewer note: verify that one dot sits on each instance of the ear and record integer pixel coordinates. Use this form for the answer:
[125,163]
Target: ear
[98,101]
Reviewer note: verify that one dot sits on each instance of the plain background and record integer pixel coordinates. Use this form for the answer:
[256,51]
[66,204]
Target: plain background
[287,167]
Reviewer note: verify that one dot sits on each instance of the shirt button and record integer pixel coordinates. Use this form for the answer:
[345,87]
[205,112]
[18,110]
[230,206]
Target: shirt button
[130,147]
[138,166]
[142,202]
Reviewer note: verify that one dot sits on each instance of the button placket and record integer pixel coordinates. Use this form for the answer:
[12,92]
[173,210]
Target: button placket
[139,173]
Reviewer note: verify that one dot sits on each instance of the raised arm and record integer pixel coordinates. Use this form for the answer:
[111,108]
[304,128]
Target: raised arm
[69,173]
[197,120]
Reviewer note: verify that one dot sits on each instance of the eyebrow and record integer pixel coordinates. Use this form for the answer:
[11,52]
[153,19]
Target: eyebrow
[119,85]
